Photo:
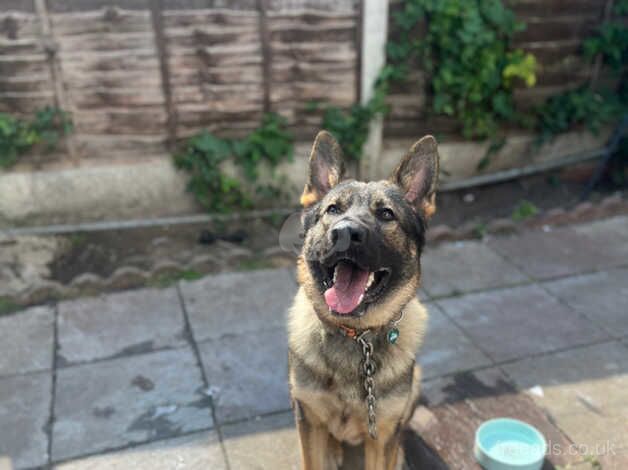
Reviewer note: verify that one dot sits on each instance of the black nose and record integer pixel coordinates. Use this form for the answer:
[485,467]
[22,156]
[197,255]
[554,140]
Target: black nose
[346,233]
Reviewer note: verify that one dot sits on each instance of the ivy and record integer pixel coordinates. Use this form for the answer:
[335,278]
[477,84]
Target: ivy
[611,39]
[473,70]
[204,155]
[581,106]
[467,51]
[351,127]
[18,136]
[584,106]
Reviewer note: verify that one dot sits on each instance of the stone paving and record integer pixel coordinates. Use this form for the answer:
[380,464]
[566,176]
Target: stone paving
[193,376]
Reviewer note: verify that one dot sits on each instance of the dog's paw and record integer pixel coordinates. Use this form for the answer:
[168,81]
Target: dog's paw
[335,456]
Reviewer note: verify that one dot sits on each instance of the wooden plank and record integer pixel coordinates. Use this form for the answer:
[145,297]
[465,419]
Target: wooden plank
[106,42]
[106,97]
[215,17]
[147,120]
[14,25]
[557,28]
[106,20]
[314,52]
[524,8]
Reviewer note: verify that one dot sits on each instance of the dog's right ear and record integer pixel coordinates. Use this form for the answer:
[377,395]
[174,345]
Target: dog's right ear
[326,168]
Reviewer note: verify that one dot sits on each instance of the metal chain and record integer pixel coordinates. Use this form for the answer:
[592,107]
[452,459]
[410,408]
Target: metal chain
[368,367]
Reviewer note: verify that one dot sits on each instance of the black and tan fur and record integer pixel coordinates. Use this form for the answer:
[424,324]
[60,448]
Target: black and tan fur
[324,366]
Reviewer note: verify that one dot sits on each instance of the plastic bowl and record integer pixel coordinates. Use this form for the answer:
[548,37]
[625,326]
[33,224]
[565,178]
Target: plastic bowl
[509,444]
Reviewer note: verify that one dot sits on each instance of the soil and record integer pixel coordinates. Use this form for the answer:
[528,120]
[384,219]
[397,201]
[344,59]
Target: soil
[255,242]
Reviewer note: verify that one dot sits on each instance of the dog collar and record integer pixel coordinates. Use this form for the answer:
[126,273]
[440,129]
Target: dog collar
[392,334]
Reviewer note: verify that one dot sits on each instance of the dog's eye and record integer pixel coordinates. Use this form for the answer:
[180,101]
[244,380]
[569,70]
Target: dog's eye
[333,209]
[385,214]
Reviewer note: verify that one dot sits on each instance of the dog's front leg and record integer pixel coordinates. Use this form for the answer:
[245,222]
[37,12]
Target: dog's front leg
[313,437]
[382,453]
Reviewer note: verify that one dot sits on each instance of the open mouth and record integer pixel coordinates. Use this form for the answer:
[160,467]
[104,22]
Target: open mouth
[350,286]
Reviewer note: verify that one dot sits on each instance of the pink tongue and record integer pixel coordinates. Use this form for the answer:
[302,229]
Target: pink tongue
[345,295]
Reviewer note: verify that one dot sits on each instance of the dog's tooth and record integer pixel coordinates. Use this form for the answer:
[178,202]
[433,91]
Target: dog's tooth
[361,298]
[335,273]
[370,281]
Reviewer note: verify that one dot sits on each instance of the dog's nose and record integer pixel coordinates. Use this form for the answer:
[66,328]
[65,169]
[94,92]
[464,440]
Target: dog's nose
[346,233]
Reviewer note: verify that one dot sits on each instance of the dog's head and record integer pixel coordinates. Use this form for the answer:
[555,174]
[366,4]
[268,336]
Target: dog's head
[360,260]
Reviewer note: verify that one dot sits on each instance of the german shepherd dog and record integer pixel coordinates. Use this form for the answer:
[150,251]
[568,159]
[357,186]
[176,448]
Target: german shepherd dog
[356,324]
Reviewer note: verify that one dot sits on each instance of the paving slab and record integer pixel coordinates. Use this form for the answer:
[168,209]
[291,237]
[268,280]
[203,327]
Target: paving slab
[596,434]
[114,403]
[601,296]
[26,341]
[119,324]
[269,442]
[461,402]
[617,460]
[24,417]
[579,380]
[446,348]
[515,322]
[561,252]
[248,374]
[195,452]
[238,302]
[609,234]
[455,268]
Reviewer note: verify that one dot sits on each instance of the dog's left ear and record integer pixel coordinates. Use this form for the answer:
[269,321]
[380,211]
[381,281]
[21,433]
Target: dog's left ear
[326,168]
[417,175]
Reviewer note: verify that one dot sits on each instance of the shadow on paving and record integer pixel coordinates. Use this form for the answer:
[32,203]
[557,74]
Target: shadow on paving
[562,340]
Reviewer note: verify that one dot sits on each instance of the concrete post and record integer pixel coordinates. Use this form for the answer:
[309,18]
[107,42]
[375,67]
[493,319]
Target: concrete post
[374,37]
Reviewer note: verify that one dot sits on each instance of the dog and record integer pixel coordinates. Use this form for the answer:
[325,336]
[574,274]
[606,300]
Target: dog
[356,324]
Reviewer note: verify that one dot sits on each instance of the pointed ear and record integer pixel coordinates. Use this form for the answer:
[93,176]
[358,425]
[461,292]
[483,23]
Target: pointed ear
[326,168]
[417,175]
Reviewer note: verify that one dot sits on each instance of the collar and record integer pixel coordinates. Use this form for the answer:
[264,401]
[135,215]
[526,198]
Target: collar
[355,333]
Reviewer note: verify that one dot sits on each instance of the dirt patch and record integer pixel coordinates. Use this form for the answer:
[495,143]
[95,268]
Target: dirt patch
[102,253]
[238,245]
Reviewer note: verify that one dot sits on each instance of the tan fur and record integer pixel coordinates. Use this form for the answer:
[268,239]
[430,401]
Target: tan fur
[309,197]
[345,419]
[325,368]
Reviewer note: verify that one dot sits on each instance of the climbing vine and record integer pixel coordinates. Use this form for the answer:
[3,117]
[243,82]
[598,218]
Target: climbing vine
[19,136]
[205,156]
[466,49]
[586,106]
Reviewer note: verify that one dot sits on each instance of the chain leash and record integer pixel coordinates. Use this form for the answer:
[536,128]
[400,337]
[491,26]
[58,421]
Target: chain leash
[368,368]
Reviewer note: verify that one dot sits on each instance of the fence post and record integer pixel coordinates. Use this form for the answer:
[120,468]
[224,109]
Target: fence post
[157,22]
[373,57]
[264,35]
[56,73]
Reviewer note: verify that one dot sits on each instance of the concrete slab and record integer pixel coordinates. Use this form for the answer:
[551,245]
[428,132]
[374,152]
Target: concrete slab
[247,373]
[515,322]
[128,400]
[446,348]
[119,324]
[562,252]
[609,234]
[240,302]
[262,444]
[24,417]
[594,434]
[617,460]
[26,341]
[579,380]
[461,402]
[196,452]
[455,268]
[601,296]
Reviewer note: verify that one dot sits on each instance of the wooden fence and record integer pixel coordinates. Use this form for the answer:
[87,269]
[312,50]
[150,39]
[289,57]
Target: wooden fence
[136,73]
